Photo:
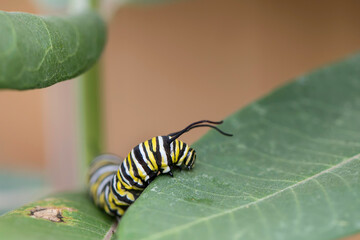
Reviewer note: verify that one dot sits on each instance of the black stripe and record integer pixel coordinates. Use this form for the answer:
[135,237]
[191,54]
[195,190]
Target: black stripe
[167,150]
[136,174]
[107,202]
[190,155]
[150,145]
[182,150]
[118,196]
[100,182]
[157,154]
[152,151]
[142,161]
[176,147]
[133,159]
[147,154]
[125,175]
[136,171]
[134,192]
[123,207]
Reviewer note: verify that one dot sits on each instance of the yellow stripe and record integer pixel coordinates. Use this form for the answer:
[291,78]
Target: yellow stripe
[148,163]
[172,155]
[111,203]
[101,201]
[94,187]
[131,170]
[118,202]
[151,155]
[123,192]
[130,196]
[127,186]
[177,149]
[141,173]
[120,211]
[185,153]
[118,187]
[106,208]
[188,160]
[132,173]
[118,174]
[123,183]
[154,144]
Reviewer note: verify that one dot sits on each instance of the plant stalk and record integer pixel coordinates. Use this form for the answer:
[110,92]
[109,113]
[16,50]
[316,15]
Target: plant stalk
[89,119]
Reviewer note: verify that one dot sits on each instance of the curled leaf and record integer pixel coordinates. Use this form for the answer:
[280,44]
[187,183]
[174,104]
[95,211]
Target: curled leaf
[37,51]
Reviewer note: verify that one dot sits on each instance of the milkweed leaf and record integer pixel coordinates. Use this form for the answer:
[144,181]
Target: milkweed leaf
[62,216]
[291,171]
[37,51]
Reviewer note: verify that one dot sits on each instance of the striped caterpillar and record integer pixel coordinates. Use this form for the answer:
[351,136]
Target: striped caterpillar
[114,188]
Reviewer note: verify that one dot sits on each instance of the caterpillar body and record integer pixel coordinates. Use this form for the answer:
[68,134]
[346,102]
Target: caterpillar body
[114,186]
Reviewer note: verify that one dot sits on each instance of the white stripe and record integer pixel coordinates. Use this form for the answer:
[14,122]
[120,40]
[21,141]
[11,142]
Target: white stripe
[164,155]
[108,157]
[189,158]
[127,169]
[125,191]
[114,187]
[101,171]
[107,192]
[184,155]
[107,197]
[162,151]
[147,161]
[138,165]
[127,172]
[172,149]
[102,184]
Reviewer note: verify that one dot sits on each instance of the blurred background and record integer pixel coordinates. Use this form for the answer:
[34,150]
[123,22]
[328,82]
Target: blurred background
[167,65]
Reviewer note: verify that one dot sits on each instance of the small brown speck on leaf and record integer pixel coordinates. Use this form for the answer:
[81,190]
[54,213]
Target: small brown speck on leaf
[53,214]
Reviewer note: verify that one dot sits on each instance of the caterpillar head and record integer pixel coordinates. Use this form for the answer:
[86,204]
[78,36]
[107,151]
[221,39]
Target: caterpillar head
[190,159]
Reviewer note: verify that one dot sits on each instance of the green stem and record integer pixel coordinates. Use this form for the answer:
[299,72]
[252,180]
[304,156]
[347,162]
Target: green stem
[90,122]
[94,4]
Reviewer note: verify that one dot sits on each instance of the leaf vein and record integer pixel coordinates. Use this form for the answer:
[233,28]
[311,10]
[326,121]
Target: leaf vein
[207,218]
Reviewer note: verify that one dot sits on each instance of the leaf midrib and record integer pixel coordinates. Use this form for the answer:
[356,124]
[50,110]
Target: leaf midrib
[189,224]
[111,230]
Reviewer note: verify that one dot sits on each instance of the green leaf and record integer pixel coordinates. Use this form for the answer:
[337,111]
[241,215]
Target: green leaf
[78,219]
[37,52]
[291,170]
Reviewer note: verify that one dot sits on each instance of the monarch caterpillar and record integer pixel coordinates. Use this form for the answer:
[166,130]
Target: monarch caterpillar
[114,188]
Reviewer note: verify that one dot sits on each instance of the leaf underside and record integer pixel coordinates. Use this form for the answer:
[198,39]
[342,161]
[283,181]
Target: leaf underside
[78,219]
[36,51]
[291,170]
